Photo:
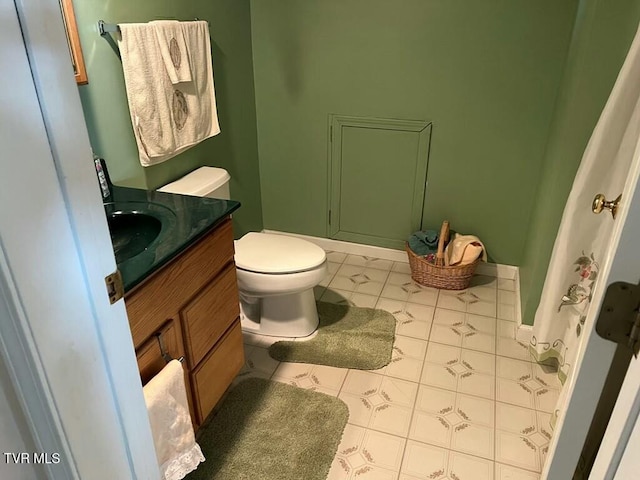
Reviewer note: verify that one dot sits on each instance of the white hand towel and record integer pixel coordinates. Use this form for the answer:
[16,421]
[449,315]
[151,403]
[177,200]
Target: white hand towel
[173,49]
[173,437]
[168,119]
[463,250]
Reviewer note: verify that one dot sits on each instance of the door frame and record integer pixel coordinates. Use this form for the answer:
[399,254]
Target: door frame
[68,350]
[618,453]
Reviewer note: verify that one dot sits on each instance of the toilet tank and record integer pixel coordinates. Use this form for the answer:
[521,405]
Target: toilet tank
[208,182]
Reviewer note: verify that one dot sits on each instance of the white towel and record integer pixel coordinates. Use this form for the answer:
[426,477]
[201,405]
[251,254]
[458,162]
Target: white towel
[463,250]
[168,119]
[173,437]
[173,49]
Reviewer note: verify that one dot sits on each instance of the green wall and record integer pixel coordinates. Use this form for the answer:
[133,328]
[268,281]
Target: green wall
[107,113]
[485,73]
[514,89]
[601,39]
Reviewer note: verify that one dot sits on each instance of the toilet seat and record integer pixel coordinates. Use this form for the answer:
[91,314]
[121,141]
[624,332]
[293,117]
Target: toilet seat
[277,254]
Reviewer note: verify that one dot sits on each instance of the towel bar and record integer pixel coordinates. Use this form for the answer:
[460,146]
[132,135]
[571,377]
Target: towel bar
[104,28]
[163,350]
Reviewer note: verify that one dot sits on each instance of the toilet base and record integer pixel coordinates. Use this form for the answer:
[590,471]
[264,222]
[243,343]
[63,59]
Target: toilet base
[293,315]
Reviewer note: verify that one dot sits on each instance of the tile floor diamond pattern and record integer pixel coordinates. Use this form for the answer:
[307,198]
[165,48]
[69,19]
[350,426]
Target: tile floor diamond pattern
[461,398]
[467,297]
[365,454]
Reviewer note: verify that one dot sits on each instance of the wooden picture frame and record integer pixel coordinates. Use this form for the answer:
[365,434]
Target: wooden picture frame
[73,40]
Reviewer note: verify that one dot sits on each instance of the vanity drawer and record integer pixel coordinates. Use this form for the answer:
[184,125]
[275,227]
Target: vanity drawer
[210,314]
[167,291]
[216,372]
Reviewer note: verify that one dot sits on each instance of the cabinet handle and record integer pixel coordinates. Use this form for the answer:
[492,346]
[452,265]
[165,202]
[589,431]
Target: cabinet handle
[163,350]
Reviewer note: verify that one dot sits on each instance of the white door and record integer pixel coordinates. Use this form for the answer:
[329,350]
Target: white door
[622,263]
[68,352]
[612,167]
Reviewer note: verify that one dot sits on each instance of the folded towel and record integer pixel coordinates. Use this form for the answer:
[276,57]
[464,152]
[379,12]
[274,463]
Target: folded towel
[168,119]
[463,250]
[173,438]
[173,49]
[424,242]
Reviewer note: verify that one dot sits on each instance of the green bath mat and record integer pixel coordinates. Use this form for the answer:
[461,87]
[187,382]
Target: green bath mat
[271,431]
[347,337]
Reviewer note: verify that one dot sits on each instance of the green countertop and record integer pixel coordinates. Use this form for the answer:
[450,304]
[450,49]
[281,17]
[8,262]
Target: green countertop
[185,219]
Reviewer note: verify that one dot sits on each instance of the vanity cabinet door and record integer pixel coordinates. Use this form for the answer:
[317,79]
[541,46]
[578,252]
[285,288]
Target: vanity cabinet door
[216,372]
[209,314]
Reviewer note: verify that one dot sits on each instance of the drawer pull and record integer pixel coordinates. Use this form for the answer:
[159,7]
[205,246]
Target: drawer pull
[163,350]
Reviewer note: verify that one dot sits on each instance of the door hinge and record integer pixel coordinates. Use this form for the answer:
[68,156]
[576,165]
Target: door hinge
[115,287]
[619,319]
[331,133]
[329,217]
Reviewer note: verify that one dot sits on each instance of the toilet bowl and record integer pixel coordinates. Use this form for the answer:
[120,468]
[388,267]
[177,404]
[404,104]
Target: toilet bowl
[276,276]
[276,273]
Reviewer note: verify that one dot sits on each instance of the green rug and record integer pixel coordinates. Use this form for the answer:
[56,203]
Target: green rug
[347,337]
[271,431]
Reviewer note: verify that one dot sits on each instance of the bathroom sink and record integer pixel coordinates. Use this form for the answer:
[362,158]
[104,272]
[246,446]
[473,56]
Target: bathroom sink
[132,233]
[137,228]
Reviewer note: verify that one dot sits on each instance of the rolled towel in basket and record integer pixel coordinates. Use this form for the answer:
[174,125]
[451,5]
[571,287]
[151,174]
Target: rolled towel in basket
[463,250]
[424,242]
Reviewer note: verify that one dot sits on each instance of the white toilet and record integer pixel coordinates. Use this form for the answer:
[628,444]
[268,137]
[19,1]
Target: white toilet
[276,273]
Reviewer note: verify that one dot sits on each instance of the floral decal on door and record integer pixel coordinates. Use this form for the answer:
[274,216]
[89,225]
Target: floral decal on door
[580,293]
[578,296]
[588,268]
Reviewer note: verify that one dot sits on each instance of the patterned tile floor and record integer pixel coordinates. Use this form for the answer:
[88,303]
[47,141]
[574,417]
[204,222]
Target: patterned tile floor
[461,398]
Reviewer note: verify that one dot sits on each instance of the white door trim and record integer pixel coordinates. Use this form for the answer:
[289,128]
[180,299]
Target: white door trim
[615,443]
[629,463]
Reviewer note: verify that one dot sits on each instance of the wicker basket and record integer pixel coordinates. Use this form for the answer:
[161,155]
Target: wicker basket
[457,277]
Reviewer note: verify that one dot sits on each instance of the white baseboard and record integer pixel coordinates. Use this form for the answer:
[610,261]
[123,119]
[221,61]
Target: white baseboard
[491,269]
[350,248]
[498,270]
[523,332]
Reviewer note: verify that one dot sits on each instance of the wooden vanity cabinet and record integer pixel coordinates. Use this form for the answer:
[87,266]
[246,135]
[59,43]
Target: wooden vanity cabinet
[191,306]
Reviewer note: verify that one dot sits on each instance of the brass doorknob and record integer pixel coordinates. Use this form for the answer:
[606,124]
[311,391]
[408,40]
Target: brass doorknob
[600,203]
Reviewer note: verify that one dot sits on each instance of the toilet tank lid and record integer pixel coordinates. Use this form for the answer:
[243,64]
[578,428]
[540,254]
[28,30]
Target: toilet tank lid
[199,183]
[269,253]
